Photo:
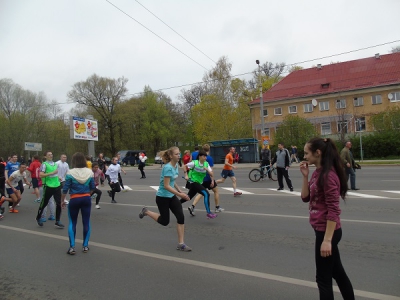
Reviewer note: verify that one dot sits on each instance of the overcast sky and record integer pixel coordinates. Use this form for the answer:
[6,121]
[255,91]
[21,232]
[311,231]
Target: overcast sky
[48,45]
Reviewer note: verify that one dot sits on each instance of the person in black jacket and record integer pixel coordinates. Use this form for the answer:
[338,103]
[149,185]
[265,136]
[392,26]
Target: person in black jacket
[282,159]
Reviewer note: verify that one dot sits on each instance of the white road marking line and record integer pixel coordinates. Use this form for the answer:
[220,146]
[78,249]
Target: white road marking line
[395,192]
[211,266]
[365,195]
[127,188]
[285,191]
[243,192]
[154,187]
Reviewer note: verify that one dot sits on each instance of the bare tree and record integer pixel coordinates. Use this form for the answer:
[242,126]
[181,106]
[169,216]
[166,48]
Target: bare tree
[103,95]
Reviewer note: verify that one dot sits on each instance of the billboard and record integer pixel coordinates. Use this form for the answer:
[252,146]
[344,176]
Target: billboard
[84,129]
[33,146]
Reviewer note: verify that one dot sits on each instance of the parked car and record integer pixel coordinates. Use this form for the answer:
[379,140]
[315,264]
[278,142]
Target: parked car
[157,159]
[128,156]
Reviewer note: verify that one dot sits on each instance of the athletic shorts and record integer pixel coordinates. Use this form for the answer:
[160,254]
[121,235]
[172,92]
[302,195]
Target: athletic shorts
[35,183]
[10,190]
[227,173]
[206,184]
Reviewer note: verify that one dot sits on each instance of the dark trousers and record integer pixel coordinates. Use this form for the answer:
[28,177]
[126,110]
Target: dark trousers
[75,205]
[141,168]
[98,192]
[352,174]
[165,205]
[331,267]
[48,192]
[115,188]
[195,188]
[282,172]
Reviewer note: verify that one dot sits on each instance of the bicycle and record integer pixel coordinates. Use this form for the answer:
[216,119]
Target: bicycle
[263,172]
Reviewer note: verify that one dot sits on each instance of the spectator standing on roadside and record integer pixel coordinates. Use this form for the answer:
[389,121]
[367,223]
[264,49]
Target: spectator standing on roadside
[266,158]
[327,184]
[349,164]
[282,160]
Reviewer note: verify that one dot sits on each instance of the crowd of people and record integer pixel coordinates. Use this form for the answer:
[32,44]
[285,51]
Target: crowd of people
[53,182]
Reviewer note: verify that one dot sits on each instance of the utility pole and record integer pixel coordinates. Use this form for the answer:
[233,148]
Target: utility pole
[261,100]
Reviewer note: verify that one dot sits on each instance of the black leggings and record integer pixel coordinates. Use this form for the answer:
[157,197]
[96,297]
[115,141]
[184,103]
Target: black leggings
[164,205]
[48,192]
[98,192]
[331,267]
[115,188]
[195,188]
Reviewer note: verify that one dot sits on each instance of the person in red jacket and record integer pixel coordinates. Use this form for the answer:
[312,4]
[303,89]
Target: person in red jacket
[34,170]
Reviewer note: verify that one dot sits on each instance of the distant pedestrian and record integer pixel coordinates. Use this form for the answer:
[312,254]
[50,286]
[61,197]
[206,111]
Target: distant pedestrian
[327,184]
[98,177]
[142,164]
[282,160]
[349,164]
[112,172]
[266,158]
[167,197]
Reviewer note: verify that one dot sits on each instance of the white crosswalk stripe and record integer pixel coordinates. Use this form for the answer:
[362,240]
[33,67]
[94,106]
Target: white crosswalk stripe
[285,191]
[365,195]
[242,191]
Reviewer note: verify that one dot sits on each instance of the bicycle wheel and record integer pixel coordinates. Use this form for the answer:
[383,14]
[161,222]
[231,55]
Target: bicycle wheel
[273,174]
[255,175]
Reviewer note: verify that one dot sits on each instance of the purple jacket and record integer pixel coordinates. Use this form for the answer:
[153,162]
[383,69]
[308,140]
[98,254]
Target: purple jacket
[324,204]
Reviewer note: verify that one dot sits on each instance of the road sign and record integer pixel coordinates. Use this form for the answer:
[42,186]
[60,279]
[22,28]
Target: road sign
[33,146]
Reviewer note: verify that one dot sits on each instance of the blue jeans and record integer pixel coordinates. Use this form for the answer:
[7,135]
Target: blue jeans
[352,174]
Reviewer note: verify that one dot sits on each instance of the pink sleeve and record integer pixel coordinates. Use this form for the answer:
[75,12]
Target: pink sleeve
[332,197]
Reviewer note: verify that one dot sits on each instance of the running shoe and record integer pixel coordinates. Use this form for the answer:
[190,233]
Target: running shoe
[58,224]
[13,211]
[97,206]
[219,209]
[52,218]
[94,196]
[1,216]
[2,199]
[143,212]
[85,249]
[183,247]
[237,193]
[191,210]
[37,200]
[211,216]
[2,210]
[43,220]
[40,223]
[291,189]
[71,251]
[113,201]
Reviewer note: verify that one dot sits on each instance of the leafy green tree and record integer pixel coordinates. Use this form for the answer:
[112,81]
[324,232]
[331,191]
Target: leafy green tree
[295,130]
[387,120]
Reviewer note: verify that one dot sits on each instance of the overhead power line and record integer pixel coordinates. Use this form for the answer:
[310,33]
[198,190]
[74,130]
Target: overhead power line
[176,32]
[157,35]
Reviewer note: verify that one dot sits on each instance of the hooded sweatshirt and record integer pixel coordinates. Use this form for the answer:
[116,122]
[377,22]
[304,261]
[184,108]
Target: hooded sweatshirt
[79,182]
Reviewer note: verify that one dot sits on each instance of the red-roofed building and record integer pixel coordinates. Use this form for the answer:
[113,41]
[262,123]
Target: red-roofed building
[336,97]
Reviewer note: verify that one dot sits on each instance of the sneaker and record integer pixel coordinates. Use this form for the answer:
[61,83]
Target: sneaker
[183,247]
[71,251]
[58,224]
[43,220]
[85,249]
[237,193]
[2,210]
[279,189]
[13,211]
[94,196]
[1,216]
[113,201]
[40,223]
[109,193]
[37,200]
[211,216]
[219,209]
[2,199]
[52,218]
[291,189]
[143,212]
[97,206]
[191,211]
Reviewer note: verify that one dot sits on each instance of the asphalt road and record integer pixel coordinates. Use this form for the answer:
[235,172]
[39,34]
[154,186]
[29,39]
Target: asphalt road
[260,247]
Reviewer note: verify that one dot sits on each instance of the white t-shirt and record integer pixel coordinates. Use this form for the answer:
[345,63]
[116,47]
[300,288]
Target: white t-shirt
[62,168]
[113,171]
[16,177]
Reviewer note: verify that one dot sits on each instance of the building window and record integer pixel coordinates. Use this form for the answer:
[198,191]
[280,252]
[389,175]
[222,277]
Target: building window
[292,109]
[342,126]
[340,103]
[376,99]
[360,124]
[278,111]
[308,108]
[326,128]
[395,97]
[358,101]
[265,112]
[266,131]
[324,105]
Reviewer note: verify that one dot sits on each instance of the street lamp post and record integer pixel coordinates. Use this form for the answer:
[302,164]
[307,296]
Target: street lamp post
[361,149]
[261,100]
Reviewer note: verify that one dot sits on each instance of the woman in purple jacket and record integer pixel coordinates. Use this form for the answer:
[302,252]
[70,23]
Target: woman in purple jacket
[327,184]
